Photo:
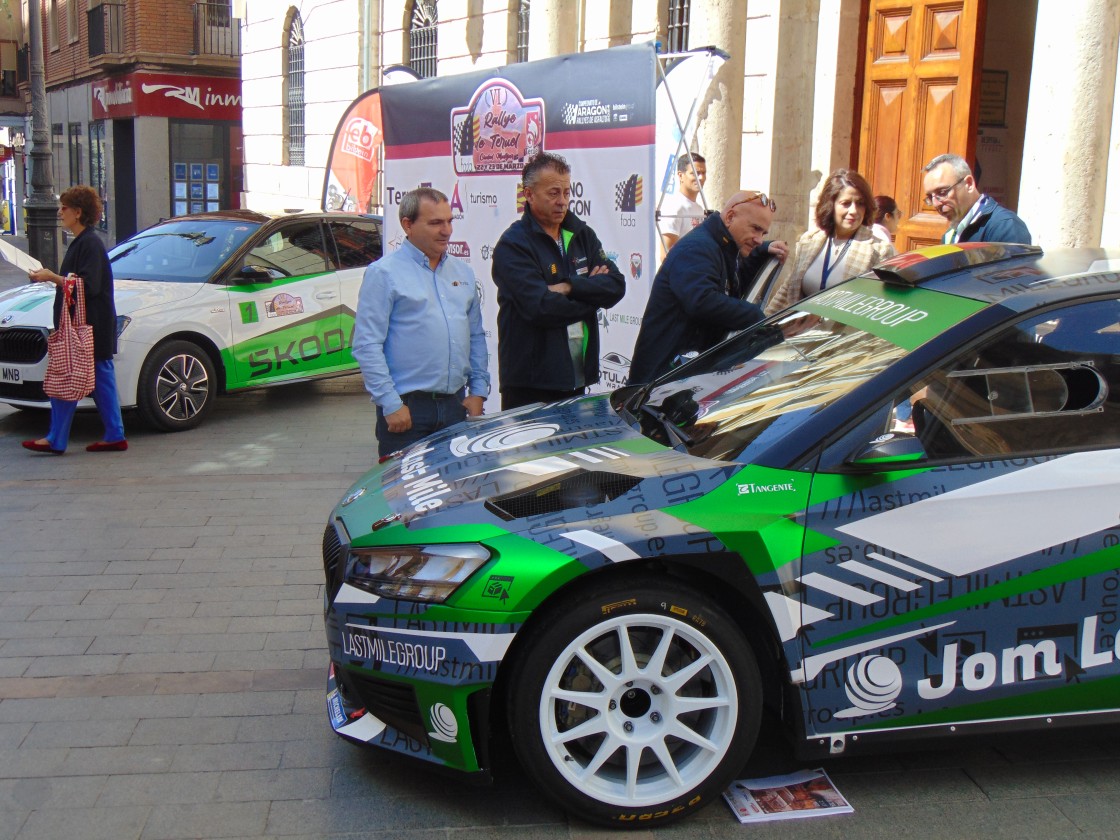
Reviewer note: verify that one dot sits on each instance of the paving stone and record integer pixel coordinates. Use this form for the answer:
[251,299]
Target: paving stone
[193,730]
[116,823]
[214,757]
[80,733]
[159,789]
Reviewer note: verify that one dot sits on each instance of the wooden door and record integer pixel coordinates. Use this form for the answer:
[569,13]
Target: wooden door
[920,88]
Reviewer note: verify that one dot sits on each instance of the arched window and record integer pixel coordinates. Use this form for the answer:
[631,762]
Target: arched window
[422,38]
[523,30]
[678,25]
[293,90]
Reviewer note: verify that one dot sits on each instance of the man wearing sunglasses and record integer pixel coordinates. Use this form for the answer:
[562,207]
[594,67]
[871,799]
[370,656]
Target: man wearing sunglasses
[697,294]
[973,216]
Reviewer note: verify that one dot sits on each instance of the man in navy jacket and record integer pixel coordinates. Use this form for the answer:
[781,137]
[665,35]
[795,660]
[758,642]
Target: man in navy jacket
[552,276]
[972,216]
[696,296]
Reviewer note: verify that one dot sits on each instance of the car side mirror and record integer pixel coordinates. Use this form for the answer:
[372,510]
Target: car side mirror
[889,451]
[255,274]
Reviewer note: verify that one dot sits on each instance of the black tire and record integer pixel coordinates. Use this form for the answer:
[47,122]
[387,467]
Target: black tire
[177,387]
[623,710]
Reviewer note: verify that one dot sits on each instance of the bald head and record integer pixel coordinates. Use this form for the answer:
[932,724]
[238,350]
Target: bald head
[748,215]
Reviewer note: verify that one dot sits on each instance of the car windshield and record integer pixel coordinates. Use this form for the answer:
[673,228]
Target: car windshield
[733,401]
[183,251]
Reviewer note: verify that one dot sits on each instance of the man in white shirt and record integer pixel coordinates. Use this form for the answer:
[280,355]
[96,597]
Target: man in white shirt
[680,211]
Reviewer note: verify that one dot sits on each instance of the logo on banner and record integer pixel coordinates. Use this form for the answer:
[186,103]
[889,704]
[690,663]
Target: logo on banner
[459,249]
[627,197]
[636,266]
[498,131]
[457,212]
[585,112]
[359,138]
[614,370]
[520,198]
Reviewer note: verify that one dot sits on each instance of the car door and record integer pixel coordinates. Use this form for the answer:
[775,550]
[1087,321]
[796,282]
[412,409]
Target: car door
[978,581]
[285,301]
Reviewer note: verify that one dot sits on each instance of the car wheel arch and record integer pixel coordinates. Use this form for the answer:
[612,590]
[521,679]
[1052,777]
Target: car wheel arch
[204,343]
[724,577]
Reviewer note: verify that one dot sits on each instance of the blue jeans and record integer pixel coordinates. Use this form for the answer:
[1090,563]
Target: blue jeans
[108,406]
[430,413]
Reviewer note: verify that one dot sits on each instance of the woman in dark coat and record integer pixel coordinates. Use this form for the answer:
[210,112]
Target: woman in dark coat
[79,210]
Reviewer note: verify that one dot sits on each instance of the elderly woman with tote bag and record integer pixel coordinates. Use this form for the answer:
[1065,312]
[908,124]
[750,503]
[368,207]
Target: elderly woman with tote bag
[79,210]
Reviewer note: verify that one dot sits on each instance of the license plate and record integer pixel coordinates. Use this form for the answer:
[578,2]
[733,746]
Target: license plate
[11,374]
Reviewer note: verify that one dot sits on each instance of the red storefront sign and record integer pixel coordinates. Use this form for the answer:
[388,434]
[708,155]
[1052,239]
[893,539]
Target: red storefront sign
[169,95]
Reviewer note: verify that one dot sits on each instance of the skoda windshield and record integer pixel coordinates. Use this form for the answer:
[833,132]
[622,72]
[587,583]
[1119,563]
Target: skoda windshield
[767,379]
[180,251]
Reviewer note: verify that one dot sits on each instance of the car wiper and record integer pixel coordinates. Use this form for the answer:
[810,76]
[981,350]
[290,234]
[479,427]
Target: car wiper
[679,409]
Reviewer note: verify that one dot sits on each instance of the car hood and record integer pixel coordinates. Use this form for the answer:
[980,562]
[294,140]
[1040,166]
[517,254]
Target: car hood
[27,306]
[556,462]
[33,305]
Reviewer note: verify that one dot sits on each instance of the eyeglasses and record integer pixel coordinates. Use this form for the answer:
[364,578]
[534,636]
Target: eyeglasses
[942,193]
[761,198]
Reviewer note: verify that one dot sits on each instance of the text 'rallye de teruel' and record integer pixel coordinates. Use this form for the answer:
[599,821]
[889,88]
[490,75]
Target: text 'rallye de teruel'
[889,511]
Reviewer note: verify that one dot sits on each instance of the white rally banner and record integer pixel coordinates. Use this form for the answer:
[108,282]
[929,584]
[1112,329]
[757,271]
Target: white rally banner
[469,136]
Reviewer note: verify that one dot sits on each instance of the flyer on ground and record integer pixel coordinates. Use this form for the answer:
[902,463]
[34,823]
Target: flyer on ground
[806,793]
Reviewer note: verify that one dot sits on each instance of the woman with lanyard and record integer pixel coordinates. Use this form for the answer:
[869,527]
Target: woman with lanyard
[842,246]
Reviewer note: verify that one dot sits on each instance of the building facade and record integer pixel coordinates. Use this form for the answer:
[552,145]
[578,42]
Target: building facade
[144,103]
[1025,88]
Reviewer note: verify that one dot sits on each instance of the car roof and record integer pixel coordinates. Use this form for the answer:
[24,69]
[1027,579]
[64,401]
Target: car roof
[1020,277]
[261,217]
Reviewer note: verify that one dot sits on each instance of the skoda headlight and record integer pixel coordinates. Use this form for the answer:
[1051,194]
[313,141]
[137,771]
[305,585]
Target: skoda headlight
[419,573]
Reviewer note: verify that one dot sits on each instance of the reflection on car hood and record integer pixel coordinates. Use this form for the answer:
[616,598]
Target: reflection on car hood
[33,305]
[524,468]
[27,306]
[134,295]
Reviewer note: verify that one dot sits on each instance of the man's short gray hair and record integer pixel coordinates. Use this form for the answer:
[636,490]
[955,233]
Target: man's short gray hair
[544,160]
[960,166]
[410,204]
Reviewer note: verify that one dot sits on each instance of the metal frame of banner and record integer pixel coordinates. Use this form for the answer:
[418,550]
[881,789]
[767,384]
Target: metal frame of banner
[663,62]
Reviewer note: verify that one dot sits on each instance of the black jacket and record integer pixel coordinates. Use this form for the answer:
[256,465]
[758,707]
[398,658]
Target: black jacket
[995,223]
[695,299]
[86,257]
[532,321]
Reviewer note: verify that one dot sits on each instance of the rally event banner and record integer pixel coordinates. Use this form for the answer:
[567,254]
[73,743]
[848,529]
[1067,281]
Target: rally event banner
[470,135]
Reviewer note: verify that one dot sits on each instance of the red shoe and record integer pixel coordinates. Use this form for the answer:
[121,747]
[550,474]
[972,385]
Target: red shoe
[102,446]
[35,446]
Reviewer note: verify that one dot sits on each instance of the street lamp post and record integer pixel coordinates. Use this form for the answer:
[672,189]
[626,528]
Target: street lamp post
[41,205]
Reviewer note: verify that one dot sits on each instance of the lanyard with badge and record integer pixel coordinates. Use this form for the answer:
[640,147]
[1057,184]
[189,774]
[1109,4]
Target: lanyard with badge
[828,269]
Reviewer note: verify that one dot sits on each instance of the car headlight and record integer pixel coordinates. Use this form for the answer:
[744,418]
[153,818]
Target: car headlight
[419,573]
[122,322]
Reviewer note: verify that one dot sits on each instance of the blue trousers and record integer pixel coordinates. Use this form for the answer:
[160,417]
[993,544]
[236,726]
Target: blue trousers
[108,406]
[429,414]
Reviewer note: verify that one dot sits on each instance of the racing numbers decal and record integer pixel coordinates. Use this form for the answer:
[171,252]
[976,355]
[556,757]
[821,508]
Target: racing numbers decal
[248,312]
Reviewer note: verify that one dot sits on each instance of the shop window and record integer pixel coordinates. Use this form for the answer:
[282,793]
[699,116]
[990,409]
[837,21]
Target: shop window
[98,177]
[74,146]
[199,167]
[422,41]
[58,156]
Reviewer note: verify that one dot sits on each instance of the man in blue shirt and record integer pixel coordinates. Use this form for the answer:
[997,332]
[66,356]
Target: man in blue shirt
[418,334]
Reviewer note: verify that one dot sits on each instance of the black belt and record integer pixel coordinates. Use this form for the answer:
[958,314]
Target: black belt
[428,395]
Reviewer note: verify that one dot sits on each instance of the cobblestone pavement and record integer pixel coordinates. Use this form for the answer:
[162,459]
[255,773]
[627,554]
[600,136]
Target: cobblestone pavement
[162,665]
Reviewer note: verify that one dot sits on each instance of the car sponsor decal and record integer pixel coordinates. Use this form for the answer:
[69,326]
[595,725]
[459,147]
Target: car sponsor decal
[905,317]
[283,305]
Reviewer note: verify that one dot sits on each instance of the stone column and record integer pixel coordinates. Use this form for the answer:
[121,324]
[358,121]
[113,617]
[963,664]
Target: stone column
[722,24]
[554,27]
[1069,118]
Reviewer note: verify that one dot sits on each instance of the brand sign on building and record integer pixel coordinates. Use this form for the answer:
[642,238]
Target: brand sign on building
[170,95]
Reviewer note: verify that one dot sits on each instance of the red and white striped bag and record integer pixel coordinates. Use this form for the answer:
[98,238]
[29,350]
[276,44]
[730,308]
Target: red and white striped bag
[70,348]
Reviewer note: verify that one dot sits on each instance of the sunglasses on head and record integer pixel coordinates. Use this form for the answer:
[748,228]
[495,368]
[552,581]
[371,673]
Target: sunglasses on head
[761,198]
